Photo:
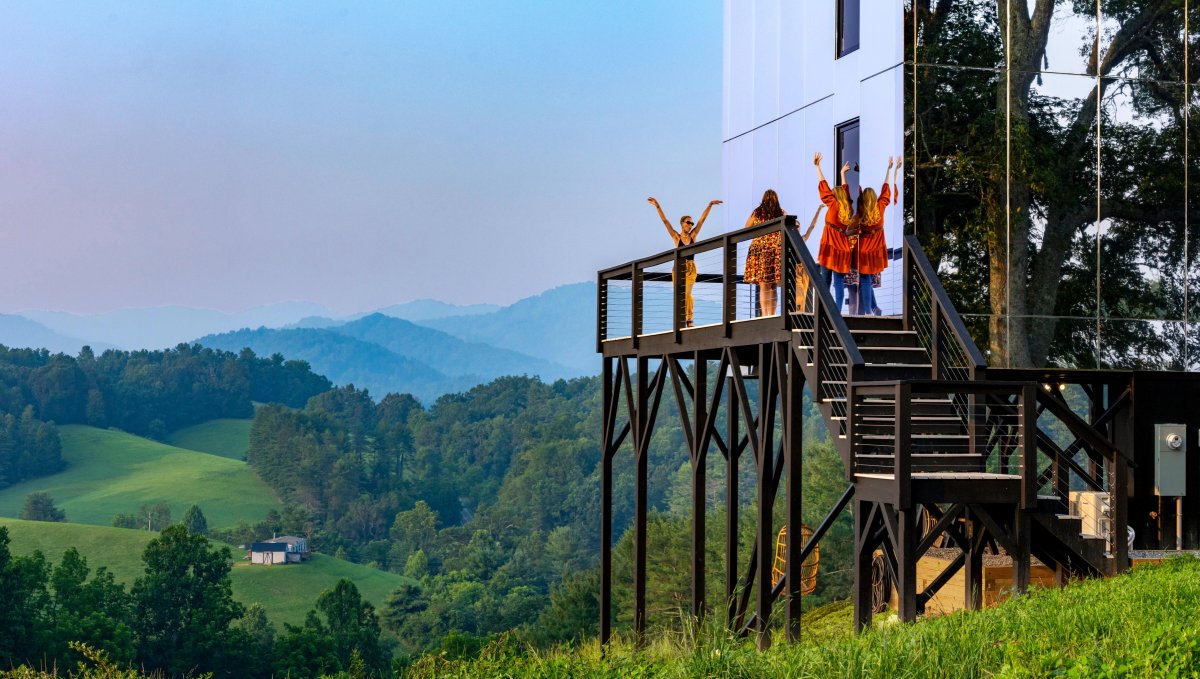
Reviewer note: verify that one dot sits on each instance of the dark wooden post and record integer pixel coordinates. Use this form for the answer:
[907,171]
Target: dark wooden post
[1021,539]
[731,500]
[601,312]
[640,501]
[903,471]
[1029,428]
[973,567]
[766,491]
[906,562]
[1119,499]
[635,327]
[606,499]
[699,464]
[863,611]
[935,339]
[907,287]
[728,287]
[793,432]
[678,281]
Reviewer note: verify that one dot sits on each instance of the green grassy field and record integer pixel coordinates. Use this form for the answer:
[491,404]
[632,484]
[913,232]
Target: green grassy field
[287,592]
[226,437]
[111,472]
[1142,624]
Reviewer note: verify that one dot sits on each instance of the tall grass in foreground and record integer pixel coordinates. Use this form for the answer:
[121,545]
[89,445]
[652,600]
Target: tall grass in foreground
[1144,624]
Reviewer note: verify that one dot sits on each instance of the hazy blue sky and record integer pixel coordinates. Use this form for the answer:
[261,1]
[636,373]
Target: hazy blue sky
[227,154]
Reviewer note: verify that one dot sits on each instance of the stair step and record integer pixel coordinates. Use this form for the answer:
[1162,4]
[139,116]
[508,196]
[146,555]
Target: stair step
[884,426]
[884,338]
[874,322]
[935,444]
[881,412]
[878,355]
[884,373]
[924,462]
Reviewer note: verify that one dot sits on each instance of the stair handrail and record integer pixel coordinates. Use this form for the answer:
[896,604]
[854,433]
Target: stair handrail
[1119,461]
[823,302]
[915,262]
[1081,429]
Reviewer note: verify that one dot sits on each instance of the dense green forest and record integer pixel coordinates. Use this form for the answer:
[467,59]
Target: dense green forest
[144,392]
[487,500]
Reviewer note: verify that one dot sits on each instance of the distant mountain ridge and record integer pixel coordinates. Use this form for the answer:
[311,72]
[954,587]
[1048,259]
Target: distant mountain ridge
[426,309]
[558,325]
[452,347]
[386,354]
[166,326]
[19,332]
[447,353]
[344,360]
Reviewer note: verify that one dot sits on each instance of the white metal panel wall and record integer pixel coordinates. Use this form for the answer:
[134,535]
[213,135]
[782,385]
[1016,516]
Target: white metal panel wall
[785,93]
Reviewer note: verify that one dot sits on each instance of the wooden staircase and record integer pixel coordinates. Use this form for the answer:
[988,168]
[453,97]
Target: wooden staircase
[959,431]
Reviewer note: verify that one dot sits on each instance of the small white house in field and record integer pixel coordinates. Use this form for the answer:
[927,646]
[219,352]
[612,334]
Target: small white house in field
[283,549]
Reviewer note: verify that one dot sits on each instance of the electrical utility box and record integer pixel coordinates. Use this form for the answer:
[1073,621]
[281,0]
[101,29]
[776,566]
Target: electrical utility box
[1170,460]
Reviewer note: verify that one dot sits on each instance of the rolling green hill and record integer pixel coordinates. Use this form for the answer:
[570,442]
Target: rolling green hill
[111,472]
[225,437]
[287,592]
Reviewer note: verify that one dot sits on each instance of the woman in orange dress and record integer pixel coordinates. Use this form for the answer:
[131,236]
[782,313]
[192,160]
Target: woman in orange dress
[762,261]
[872,246]
[837,246]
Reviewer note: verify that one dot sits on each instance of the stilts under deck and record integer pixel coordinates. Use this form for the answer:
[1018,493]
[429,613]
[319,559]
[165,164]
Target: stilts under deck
[939,450]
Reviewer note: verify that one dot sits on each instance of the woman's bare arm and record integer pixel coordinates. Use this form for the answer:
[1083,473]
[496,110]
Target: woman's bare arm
[817,161]
[654,201]
[703,216]
[813,224]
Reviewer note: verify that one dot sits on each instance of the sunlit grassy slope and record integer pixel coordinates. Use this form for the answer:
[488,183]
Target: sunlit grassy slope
[110,472]
[287,592]
[225,437]
[1143,624]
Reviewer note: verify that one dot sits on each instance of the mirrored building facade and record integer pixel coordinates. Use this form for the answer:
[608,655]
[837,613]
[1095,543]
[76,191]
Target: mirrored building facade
[1050,170]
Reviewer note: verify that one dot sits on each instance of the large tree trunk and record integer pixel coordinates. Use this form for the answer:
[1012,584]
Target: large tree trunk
[1008,249]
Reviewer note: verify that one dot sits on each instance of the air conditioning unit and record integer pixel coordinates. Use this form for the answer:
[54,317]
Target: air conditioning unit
[1095,508]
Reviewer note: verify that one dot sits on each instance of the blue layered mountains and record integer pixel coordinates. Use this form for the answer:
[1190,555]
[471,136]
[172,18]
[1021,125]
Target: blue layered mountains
[22,332]
[551,336]
[426,347]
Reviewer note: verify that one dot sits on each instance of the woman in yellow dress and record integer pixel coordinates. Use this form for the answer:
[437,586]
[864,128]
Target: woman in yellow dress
[688,233]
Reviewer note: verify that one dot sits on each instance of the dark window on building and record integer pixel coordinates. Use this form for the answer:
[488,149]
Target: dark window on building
[847,152]
[847,27]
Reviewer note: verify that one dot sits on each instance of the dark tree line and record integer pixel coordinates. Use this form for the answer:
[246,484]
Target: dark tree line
[178,618]
[144,392]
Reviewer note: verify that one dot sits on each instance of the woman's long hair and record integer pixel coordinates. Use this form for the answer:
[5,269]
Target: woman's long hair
[769,208]
[843,201]
[868,209]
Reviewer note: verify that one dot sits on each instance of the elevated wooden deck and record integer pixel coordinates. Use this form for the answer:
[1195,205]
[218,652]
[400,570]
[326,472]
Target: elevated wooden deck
[937,447]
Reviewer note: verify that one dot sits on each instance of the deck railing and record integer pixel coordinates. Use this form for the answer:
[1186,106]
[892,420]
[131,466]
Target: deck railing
[929,311]
[813,314]
[921,427]
[644,297]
